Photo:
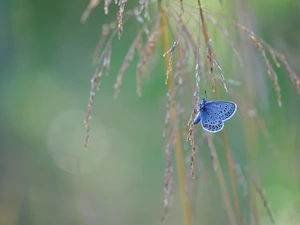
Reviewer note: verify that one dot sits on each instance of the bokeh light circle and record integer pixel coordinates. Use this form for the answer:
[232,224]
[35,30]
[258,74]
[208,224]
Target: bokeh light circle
[66,139]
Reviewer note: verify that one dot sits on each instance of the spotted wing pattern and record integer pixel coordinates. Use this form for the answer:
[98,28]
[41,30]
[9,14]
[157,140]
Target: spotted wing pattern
[211,121]
[224,109]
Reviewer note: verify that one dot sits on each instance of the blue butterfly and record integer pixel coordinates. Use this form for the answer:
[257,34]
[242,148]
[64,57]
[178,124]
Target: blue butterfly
[212,114]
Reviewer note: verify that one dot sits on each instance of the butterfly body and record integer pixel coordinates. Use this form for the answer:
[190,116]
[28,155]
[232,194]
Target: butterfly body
[212,114]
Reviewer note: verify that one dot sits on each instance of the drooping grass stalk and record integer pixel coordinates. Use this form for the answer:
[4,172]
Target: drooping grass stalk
[253,203]
[251,138]
[251,150]
[228,157]
[178,146]
[232,179]
[221,180]
[264,200]
[251,145]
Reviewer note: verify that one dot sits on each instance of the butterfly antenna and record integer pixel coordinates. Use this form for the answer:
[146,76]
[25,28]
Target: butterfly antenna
[205,95]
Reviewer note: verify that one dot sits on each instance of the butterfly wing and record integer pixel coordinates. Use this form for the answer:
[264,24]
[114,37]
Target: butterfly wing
[224,109]
[197,118]
[211,122]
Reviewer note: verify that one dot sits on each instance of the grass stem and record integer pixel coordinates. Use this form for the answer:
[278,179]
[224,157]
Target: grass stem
[178,145]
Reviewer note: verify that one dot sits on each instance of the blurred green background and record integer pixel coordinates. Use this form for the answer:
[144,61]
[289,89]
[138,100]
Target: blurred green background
[46,177]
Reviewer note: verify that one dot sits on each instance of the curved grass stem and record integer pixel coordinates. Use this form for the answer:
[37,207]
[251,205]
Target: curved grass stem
[228,156]
[178,146]
[232,179]
[221,180]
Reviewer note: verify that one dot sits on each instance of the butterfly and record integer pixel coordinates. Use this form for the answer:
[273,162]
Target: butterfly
[212,114]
